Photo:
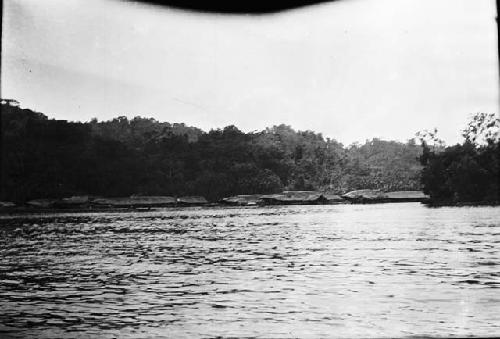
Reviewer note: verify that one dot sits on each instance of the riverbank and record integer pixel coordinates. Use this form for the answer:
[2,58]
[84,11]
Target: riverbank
[146,203]
[431,203]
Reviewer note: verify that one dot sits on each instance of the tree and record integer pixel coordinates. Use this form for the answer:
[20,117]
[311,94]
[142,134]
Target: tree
[483,128]
[47,158]
[468,172]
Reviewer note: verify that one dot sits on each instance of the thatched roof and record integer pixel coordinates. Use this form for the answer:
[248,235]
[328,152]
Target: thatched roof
[407,195]
[377,195]
[247,199]
[365,194]
[192,200]
[42,202]
[75,200]
[136,201]
[330,197]
[294,197]
[4,204]
[271,196]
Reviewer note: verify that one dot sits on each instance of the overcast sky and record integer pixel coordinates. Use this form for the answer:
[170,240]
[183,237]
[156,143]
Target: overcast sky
[352,70]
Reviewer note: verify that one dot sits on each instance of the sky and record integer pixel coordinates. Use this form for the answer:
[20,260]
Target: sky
[351,69]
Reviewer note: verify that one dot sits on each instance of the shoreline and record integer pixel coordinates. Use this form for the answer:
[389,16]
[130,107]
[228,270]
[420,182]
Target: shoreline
[461,203]
[104,209]
[33,210]
[136,203]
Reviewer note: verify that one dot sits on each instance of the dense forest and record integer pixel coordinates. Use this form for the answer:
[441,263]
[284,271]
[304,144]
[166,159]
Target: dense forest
[47,158]
[467,172]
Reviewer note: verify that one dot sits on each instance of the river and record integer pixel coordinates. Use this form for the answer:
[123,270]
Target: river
[380,270]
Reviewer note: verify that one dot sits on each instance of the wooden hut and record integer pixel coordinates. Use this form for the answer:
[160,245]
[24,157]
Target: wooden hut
[244,200]
[407,196]
[331,198]
[42,203]
[294,198]
[191,201]
[366,196]
[74,201]
[7,204]
[136,201]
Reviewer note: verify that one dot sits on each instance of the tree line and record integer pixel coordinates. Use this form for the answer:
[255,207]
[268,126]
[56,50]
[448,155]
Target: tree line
[47,158]
[464,173]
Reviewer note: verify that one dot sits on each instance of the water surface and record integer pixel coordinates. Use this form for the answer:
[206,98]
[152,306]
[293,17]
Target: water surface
[290,271]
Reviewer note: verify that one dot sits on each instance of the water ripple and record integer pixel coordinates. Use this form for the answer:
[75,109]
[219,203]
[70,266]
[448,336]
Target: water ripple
[285,271]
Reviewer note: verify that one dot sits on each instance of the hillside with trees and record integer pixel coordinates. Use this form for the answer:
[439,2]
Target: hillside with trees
[47,158]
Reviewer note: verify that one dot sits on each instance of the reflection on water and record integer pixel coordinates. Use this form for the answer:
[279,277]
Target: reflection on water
[296,271]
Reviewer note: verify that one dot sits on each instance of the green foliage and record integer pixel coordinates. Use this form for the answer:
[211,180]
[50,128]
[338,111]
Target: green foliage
[120,157]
